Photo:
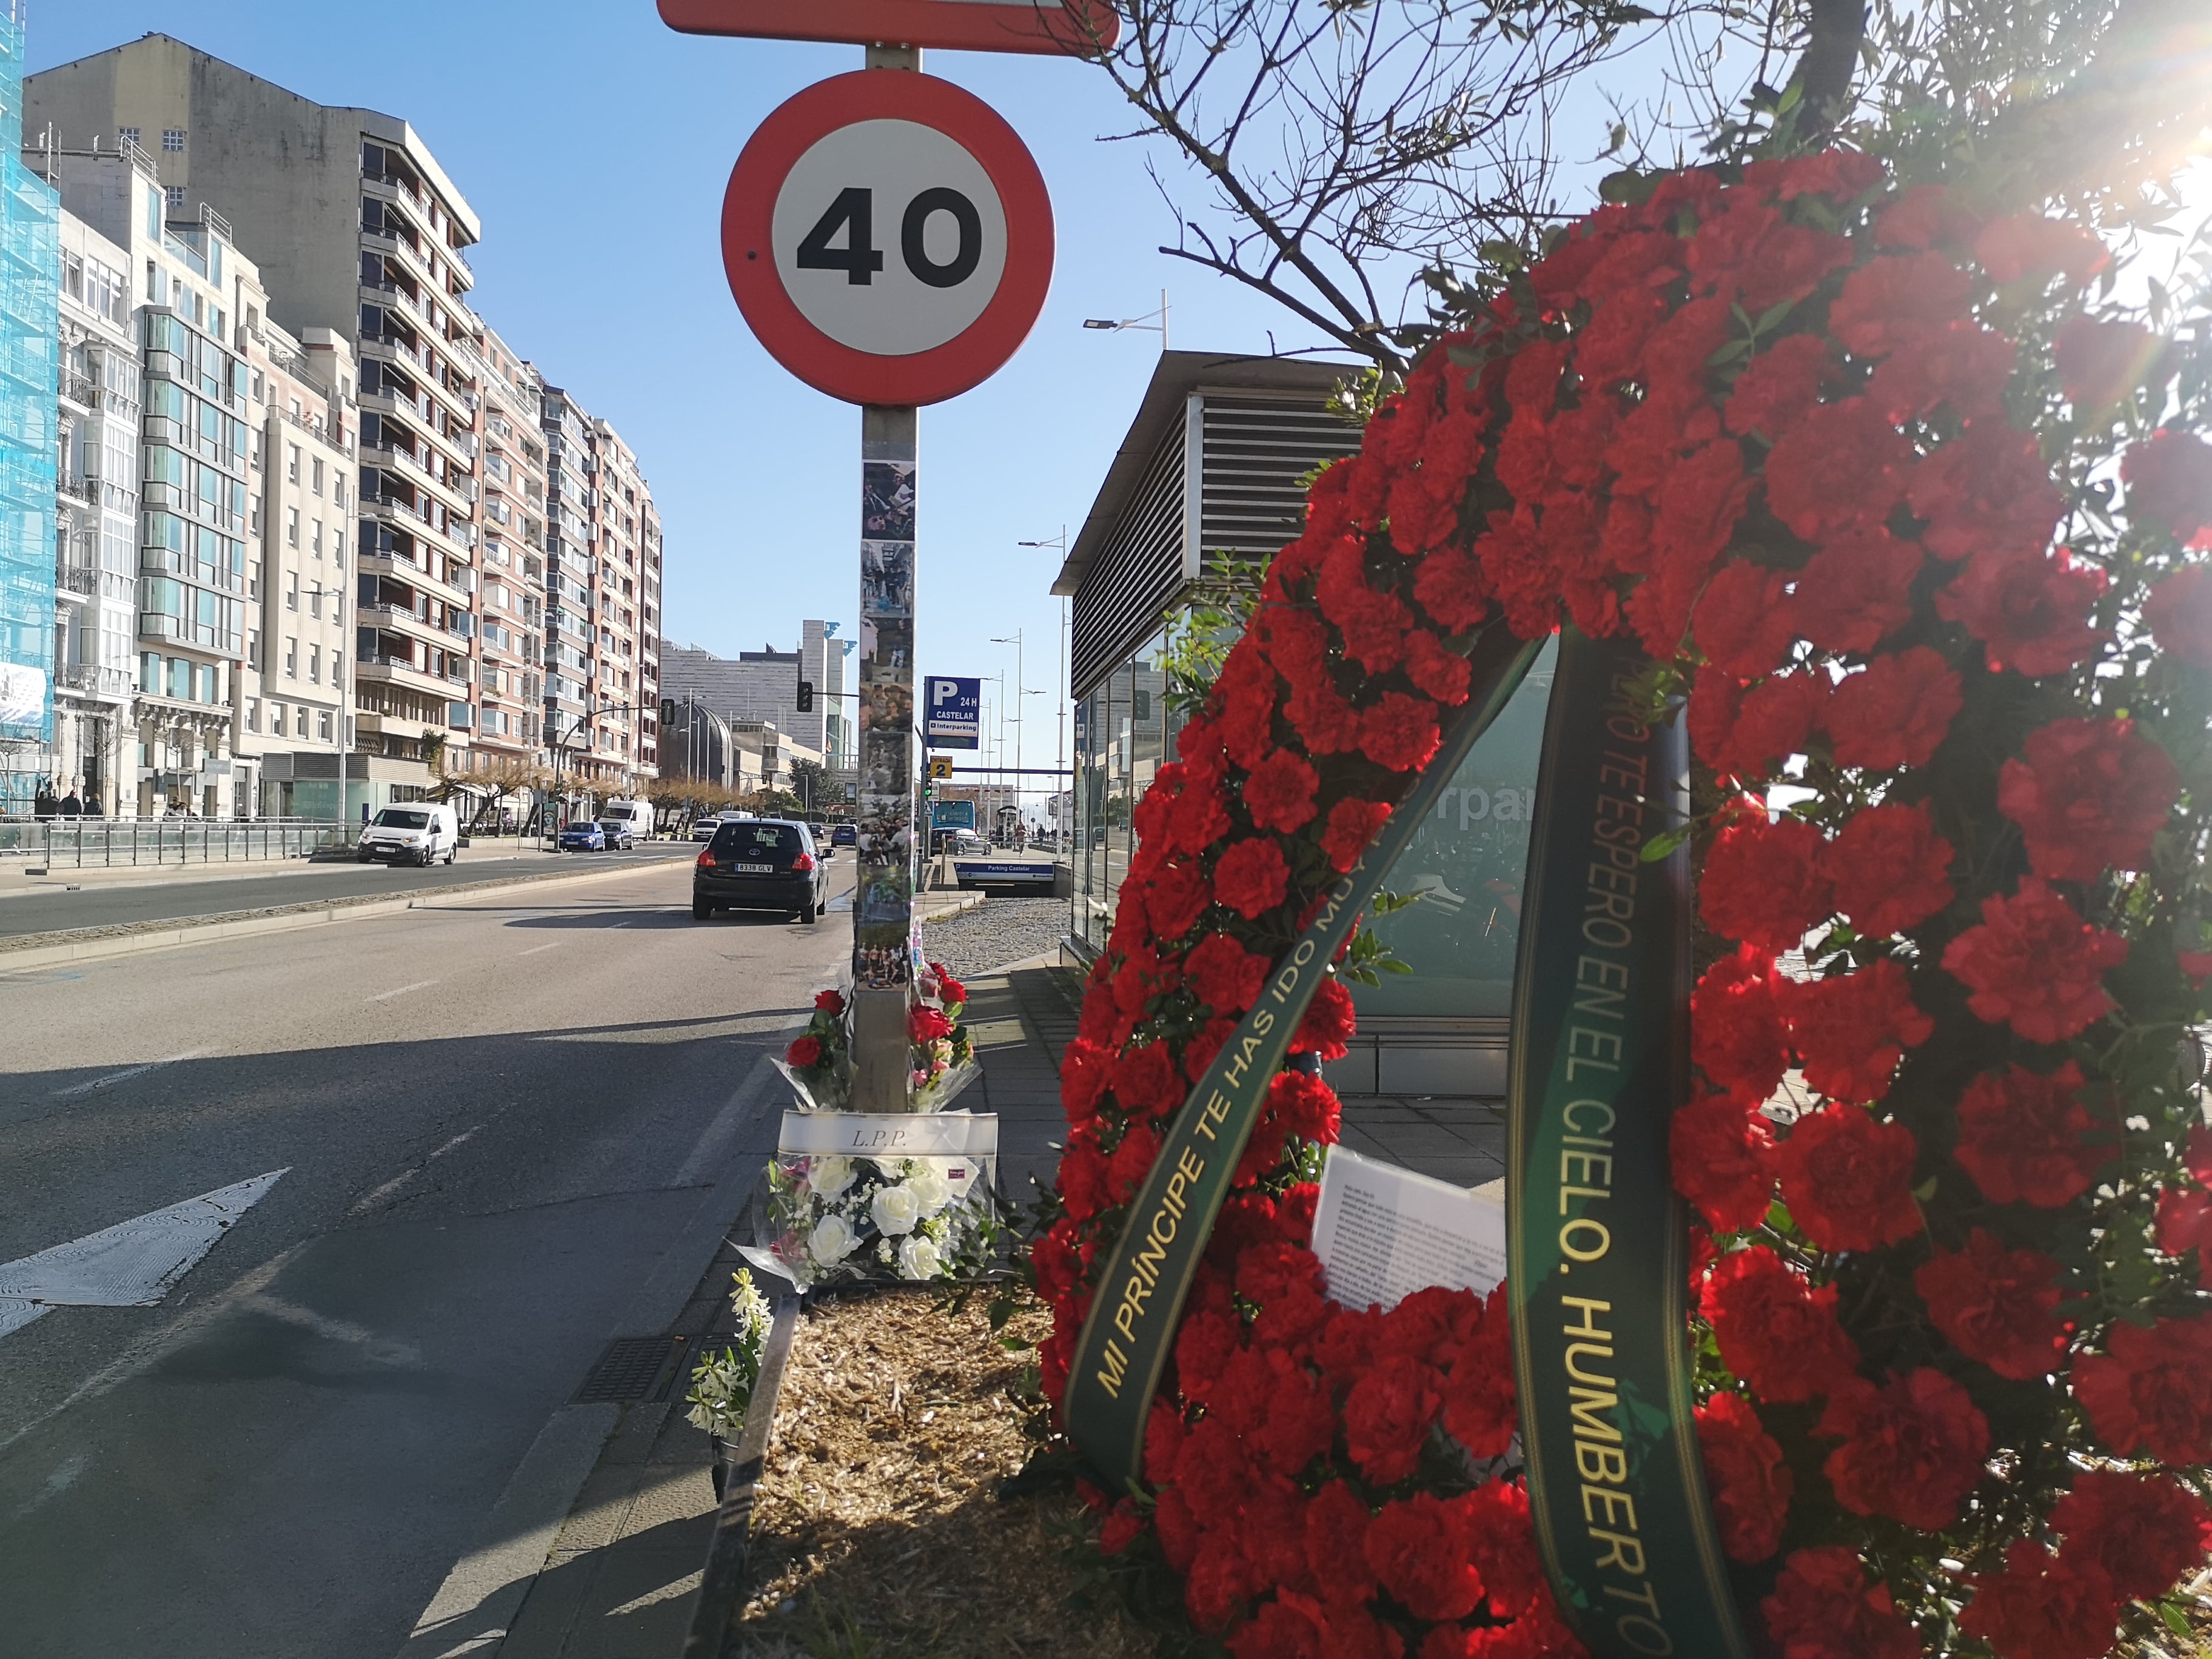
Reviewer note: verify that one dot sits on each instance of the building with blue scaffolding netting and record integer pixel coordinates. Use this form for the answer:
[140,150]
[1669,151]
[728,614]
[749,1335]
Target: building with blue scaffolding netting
[30,366]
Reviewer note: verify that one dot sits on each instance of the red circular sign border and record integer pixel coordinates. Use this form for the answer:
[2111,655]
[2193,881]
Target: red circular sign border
[979,350]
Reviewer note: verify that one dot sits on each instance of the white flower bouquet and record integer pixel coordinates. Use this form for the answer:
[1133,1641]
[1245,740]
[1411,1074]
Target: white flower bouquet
[830,1217]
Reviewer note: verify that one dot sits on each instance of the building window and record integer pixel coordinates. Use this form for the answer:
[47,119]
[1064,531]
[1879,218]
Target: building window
[175,197]
[314,665]
[173,140]
[315,475]
[323,725]
[292,460]
[128,135]
[315,533]
[291,658]
[276,719]
[291,590]
[254,713]
[291,526]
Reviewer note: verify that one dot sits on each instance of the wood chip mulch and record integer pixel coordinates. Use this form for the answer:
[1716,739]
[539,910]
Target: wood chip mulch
[878,1531]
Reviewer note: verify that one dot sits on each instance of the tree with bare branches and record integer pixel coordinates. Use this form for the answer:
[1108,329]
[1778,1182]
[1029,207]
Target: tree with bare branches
[1356,161]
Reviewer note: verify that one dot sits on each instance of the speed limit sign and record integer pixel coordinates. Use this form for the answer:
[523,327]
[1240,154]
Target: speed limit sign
[888,237]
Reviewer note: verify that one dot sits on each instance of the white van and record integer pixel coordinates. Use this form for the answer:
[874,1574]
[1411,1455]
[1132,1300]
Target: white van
[418,832]
[637,814]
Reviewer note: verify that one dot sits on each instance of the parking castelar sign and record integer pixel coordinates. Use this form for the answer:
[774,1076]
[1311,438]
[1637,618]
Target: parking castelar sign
[952,712]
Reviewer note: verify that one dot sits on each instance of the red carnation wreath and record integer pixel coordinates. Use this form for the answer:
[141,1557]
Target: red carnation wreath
[1815,440]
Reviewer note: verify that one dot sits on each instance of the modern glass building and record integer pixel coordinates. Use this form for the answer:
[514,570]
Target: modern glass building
[30,378]
[1213,465]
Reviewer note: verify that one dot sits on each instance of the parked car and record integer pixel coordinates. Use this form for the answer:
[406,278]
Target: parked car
[620,837]
[702,829]
[761,864]
[584,836]
[963,844]
[423,833]
[634,815]
[845,835]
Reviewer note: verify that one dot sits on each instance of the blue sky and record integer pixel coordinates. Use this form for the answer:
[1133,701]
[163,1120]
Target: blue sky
[594,143]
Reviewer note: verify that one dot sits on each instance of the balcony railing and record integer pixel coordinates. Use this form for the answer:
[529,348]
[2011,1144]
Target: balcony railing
[92,678]
[80,389]
[78,578]
[78,486]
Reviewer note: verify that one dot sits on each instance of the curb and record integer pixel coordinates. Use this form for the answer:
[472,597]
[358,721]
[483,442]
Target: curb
[220,925]
[724,1579]
[960,906]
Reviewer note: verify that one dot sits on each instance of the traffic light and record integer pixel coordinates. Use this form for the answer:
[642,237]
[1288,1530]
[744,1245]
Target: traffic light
[805,697]
[668,711]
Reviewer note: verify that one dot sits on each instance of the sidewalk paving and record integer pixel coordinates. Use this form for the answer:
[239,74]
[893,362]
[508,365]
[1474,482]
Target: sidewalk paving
[621,1578]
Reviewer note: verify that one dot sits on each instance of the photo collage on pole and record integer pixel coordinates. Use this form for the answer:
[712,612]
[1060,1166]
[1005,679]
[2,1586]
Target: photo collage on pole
[884,904]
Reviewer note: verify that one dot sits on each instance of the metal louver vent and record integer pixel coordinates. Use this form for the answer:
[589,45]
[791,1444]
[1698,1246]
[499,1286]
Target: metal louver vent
[1227,478]
[1139,570]
[1256,456]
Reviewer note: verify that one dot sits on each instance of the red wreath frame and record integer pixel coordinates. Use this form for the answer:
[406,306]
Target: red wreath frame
[1762,421]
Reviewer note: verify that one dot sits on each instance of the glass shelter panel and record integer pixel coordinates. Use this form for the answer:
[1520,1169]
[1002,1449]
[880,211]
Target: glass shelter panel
[1466,863]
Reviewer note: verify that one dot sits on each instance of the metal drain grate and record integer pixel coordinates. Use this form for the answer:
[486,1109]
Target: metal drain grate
[626,1371]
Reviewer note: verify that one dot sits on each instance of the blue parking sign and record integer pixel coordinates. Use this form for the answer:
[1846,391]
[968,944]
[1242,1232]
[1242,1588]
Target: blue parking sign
[952,712]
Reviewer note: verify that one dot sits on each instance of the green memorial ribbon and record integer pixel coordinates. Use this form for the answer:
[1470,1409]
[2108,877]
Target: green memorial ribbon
[1597,1238]
[1130,1332]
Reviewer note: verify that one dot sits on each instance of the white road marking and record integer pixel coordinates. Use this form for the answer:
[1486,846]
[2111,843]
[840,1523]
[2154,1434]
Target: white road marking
[151,1348]
[535,949]
[419,985]
[370,1200]
[133,1264]
[127,1074]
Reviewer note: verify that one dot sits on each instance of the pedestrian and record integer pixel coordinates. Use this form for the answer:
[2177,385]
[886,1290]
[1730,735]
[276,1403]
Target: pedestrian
[43,804]
[92,807]
[71,806]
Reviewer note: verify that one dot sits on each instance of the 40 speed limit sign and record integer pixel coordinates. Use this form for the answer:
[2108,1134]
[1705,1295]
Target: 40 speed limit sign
[888,237]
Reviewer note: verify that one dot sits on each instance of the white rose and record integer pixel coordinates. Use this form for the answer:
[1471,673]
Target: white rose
[928,1184]
[895,1210]
[919,1258]
[832,1240]
[831,1176]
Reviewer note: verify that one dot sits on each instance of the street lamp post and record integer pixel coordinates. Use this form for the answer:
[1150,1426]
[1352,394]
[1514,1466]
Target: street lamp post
[1115,325]
[1020,692]
[1059,673]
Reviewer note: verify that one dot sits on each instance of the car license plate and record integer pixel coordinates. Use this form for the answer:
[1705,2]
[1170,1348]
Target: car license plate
[754,869]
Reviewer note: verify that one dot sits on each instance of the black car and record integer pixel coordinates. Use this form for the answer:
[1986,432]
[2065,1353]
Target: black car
[621,838]
[761,864]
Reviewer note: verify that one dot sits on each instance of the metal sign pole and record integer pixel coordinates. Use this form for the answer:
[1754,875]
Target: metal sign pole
[883,898]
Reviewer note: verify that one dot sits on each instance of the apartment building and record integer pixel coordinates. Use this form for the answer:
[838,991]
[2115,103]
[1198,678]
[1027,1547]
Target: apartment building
[191,292]
[601,582]
[508,738]
[294,687]
[95,659]
[356,227]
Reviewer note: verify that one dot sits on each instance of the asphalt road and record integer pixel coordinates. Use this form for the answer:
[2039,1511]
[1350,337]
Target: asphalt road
[497,1115]
[51,909]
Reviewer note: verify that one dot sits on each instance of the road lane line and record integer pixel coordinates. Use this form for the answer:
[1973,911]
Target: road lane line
[370,1201]
[419,985]
[535,949]
[127,1074]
